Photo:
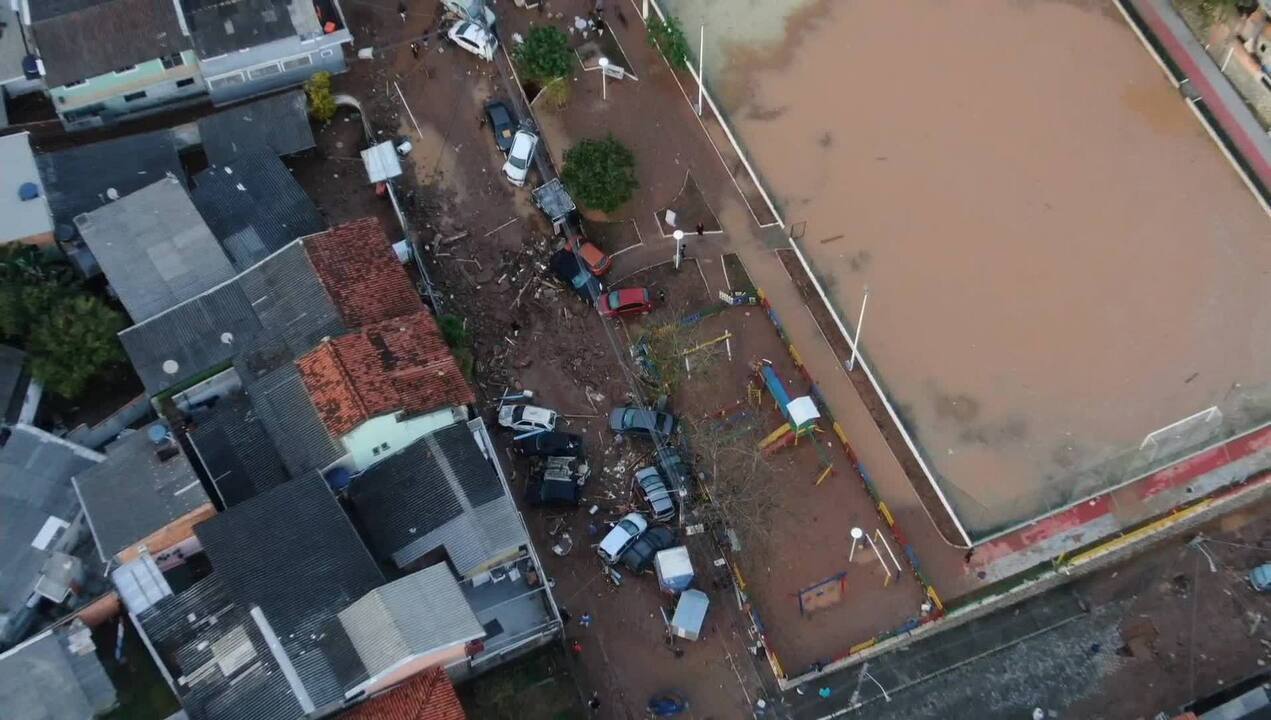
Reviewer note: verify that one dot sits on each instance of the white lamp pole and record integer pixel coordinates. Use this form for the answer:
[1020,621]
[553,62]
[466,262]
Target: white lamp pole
[851,364]
[701,70]
[604,78]
[857,534]
[679,243]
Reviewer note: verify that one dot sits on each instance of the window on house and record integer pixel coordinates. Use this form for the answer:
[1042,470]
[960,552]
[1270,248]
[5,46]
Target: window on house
[130,97]
[75,83]
[125,69]
[384,446]
[227,81]
[266,71]
[375,451]
[171,61]
[84,112]
[327,53]
[298,62]
[185,83]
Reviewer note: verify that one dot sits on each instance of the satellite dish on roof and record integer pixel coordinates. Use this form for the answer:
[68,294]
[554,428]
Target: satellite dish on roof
[171,366]
[112,194]
[28,191]
[227,338]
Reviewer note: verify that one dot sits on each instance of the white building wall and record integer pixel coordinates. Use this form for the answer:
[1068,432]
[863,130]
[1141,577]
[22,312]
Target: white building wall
[382,436]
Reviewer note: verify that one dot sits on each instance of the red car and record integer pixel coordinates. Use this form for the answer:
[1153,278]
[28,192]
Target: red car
[630,301]
[595,258]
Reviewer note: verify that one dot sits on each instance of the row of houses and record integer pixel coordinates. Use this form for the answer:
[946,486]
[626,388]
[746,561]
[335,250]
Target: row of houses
[317,522]
[101,61]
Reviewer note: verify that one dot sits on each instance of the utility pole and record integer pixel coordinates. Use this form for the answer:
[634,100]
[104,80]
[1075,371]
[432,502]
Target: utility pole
[701,70]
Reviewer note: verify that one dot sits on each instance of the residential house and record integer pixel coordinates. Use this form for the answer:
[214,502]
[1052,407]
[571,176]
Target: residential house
[23,204]
[445,499]
[154,248]
[55,676]
[240,457]
[85,177]
[104,60]
[427,696]
[328,397]
[41,528]
[144,496]
[250,47]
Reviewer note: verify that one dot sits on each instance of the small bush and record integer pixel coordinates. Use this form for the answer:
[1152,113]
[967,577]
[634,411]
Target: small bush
[668,38]
[321,102]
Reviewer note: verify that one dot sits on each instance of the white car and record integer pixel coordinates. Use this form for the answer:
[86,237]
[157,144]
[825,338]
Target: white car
[527,418]
[621,537]
[474,38]
[520,157]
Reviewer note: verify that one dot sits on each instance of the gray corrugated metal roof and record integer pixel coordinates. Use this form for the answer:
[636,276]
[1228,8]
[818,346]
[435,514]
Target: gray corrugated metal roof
[236,450]
[273,312]
[22,218]
[35,485]
[83,39]
[248,683]
[80,179]
[255,207]
[133,493]
[155,248]
[285,409]
[413,615]
[44,679]
[293,553]
[441,491]
[279,123]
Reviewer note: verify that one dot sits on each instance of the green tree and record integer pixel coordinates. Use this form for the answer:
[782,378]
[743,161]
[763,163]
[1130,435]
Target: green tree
[668,38]
[600,173]
[74,343]
[1212,11]
[321,102]
[544,56]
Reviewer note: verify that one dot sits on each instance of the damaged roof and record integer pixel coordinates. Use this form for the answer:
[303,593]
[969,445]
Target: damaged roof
[279,123]
[293,553]
[398,365]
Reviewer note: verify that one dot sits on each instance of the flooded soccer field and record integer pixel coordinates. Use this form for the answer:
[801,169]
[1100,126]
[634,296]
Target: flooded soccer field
[1059,259]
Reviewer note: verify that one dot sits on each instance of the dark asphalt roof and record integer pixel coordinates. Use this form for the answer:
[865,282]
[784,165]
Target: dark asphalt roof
[12,382]
[92,37]
[271,313]
[35,485]
[402,499]
[250,685]
[219,27]
[285,409]
[134,492]
[78,179]
[293,552]
[236,450]
[254,206]
[279,123]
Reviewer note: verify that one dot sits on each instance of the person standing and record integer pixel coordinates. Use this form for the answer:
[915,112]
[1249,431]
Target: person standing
[414,49]
[401,10]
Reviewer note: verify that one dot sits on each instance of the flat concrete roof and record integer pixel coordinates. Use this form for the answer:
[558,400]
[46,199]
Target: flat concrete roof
[22,218]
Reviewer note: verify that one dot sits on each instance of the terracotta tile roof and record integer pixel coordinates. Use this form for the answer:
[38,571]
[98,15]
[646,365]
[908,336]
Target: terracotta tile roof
[427,696]
[401,364]
[360,271]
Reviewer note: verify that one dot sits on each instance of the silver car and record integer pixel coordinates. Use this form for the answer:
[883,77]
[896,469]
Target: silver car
[517,168]
[656,493]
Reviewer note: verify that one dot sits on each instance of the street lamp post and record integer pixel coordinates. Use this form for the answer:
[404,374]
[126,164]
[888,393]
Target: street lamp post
[679,246]
[851,364]
[604,78]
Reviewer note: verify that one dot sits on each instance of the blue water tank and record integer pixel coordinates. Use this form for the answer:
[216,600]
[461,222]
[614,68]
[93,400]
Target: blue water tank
[338,478]
[28,191]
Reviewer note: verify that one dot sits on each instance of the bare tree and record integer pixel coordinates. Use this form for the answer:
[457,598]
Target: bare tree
[737,483]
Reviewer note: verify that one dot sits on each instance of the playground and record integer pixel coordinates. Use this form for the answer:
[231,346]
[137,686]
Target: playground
[749,419]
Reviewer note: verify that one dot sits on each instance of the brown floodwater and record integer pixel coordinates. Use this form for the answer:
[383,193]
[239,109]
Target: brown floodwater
[1059,260]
